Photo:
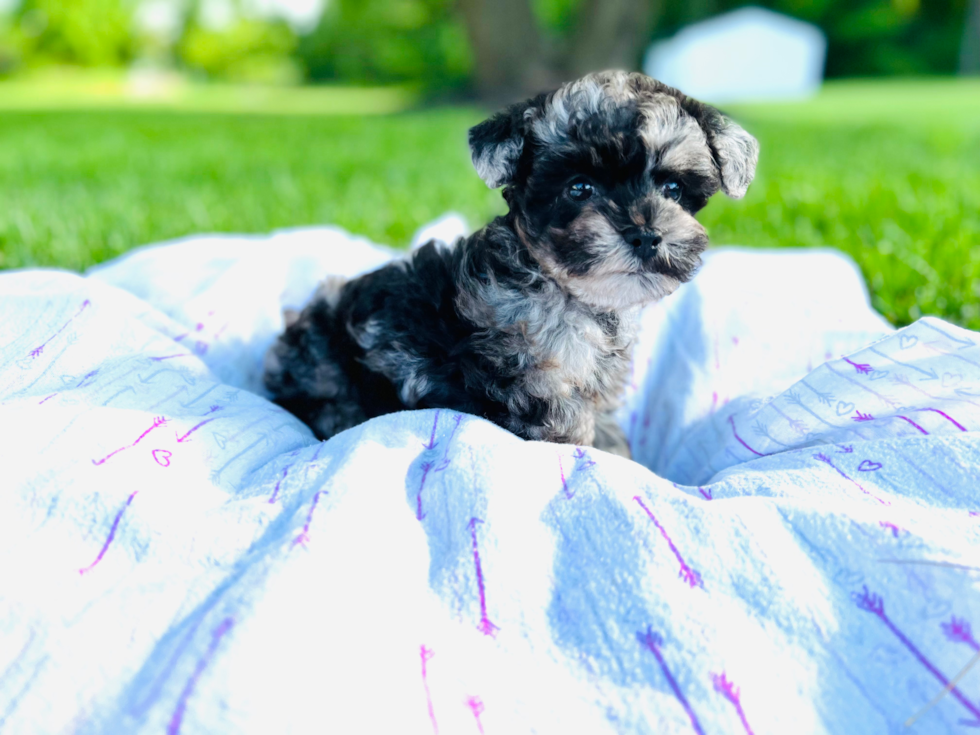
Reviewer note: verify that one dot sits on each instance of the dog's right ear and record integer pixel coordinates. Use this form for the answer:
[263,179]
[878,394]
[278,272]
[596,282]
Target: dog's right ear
[496,144]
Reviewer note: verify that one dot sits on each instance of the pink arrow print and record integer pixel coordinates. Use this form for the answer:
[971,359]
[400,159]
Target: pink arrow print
[689,575]
[157,423]
[731,692]
[426,655]
[486,627]
[476,707]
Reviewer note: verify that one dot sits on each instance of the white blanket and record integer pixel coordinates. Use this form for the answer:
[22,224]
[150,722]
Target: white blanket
[177,554]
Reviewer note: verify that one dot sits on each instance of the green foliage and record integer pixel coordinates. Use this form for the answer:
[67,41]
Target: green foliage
[79,32]
[9,47]
[865,37]
[556,16]
[388,41]
[104,33]
[897,188]
[247,50]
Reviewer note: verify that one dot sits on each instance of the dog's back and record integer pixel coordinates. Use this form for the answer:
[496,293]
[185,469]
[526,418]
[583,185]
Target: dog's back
[381,343]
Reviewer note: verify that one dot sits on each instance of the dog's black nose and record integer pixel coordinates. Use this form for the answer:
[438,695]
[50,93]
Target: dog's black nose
[643,240]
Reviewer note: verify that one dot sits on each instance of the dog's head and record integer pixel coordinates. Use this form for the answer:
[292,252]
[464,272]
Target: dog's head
[604,176]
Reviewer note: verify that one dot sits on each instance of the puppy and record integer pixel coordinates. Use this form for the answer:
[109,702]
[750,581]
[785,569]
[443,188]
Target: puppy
[530,321]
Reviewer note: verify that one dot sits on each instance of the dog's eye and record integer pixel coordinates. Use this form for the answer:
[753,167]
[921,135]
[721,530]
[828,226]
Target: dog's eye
[580,191]
[671,190]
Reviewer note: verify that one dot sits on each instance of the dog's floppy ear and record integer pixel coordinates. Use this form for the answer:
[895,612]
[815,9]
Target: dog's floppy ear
[496,143]
[736,152]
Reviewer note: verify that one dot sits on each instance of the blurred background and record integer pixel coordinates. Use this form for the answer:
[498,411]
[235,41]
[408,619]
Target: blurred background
[124,122]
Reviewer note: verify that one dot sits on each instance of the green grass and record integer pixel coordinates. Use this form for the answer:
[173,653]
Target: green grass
[887,172]
[78,90]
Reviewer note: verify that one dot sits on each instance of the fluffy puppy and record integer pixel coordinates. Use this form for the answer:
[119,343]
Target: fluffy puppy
[528,322]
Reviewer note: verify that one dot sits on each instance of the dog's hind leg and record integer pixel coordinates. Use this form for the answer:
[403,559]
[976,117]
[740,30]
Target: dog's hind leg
[306,371]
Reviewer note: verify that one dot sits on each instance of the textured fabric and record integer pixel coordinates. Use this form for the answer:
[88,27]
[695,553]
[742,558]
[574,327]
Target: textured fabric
[179,555]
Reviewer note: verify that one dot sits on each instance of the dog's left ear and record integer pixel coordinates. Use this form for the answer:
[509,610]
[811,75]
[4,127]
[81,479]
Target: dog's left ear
[736,152]
[496,143]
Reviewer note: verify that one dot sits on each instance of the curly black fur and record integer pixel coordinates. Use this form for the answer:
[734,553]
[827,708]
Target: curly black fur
[530,321]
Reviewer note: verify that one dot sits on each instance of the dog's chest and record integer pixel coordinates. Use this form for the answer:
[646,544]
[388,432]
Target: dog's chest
[575,351]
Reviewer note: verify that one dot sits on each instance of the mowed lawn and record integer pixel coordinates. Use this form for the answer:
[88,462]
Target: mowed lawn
[887,172]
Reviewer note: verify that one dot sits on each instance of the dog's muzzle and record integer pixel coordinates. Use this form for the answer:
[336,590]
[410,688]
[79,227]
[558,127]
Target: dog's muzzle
[644,242]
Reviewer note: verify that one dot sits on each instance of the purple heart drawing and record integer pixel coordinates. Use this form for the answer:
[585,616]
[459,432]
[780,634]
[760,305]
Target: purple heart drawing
[869,466]
[843,407]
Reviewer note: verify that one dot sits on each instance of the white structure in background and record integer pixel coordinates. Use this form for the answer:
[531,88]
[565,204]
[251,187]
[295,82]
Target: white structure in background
[748,54]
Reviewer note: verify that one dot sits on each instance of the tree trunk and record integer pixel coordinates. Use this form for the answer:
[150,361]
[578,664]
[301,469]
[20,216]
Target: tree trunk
[610,34]
[514,60]
[970,48]
[507,46]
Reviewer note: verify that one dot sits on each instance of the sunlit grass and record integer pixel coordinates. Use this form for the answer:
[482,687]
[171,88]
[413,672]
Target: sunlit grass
[66,89]
[938,102]
[888,172]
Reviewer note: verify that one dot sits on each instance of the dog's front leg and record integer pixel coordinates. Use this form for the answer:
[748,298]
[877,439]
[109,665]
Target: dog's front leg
[609,437]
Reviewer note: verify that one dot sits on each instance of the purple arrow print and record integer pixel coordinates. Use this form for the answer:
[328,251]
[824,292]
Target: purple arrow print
[946,416]
[444,462]
[874,604]
[828,461]
[112,535]
[564,482]
[652,642]
[861,367]
[178,715]
[485,626]
[432,437]
[731,420]
[958,630]
[304,536]
[40,348]
[691,576]
[419,515]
